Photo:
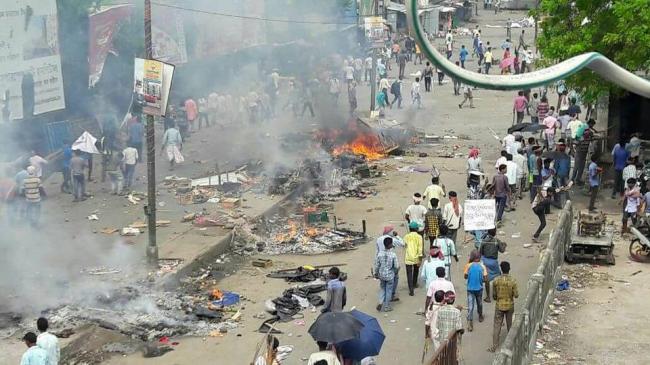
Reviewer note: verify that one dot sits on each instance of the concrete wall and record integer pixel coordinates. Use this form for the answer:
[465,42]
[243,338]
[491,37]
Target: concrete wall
[518,4]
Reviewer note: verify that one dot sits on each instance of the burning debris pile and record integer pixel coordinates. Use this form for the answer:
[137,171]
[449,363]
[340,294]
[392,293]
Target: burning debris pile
[303,233]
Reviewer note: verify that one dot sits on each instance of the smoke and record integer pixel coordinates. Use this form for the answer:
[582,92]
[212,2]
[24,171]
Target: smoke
[47,267]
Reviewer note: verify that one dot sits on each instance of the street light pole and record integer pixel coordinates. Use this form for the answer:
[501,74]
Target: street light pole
[150,210]
[373,68]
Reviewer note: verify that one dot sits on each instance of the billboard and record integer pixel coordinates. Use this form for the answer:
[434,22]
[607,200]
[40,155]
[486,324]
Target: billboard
[30,64]
[168,36]
[221,35]
[102,27]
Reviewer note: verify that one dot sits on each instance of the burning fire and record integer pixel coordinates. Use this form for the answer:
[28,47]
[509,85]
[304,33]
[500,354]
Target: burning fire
[367,145]
[291,234]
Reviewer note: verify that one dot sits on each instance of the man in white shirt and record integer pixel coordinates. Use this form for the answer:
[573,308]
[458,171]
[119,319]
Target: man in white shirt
[511,175]
[508,142]
[415,93]
[130,160]
[451,215]
[38,162]
[349,74]
[416,212]
[522,171]
[501,160]
[48,342]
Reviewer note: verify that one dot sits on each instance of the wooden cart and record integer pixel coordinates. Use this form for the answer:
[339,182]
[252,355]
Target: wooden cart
[590,241]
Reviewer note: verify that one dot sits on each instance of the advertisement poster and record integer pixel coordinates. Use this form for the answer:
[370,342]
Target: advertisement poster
[101,28]
[479,214]
[30,65]
[151,85]
[168,36]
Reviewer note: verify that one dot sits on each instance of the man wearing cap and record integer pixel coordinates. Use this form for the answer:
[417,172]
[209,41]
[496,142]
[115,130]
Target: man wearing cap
[34,354]
[386,265]
[413,256]
[415,213]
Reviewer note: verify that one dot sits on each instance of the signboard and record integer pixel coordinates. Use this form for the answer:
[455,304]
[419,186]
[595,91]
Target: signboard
[374,29]
[168,36]
[30,65]
[151,85]
[479,214]
[101,29]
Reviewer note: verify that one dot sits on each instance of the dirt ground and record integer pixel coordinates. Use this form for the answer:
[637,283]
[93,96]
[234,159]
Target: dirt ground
[403,327]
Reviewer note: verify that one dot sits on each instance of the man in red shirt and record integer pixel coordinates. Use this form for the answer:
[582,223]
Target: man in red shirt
[519,106]
[191,112]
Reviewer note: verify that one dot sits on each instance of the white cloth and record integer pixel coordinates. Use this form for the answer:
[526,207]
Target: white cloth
[130,156]
[416,214]
[38,162]
[449,216]
[328,356]
[173,153]
[511,172]
[500,161]
[50,344]
[508,141]
[85,143]
[522,165]
[629,172]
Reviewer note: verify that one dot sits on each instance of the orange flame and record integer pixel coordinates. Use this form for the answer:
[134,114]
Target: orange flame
[288,236]
[367,145]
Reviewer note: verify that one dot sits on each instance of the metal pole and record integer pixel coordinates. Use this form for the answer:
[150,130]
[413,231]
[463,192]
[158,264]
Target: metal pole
[152,247]
[535,18]
[373,69]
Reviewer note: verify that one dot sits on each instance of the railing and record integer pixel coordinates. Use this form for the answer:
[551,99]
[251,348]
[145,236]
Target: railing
[447,353]
[518,346]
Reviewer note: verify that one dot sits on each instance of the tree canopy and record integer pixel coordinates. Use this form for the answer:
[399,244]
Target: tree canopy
[618,29]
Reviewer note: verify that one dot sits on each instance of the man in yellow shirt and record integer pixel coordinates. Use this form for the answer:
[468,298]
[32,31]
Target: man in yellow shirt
[435,190]
[413,255]
[488,60]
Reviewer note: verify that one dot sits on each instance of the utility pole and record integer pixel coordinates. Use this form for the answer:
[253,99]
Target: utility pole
[150,209]
[535,19]
[373,69]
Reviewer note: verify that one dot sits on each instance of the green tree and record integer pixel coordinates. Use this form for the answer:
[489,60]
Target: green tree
[618,29]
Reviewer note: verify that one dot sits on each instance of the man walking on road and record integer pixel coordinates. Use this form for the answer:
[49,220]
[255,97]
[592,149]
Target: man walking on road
[413,255]
[475,274]
[520,106]
[386,266]
[501,191]
[505,292]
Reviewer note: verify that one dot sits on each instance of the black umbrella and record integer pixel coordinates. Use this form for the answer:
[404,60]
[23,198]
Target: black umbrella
[335,327]
[526,127]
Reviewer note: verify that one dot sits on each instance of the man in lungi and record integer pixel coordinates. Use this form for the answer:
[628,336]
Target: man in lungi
[172,144]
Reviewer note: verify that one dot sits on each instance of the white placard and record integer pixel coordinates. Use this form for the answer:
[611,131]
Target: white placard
[479,214]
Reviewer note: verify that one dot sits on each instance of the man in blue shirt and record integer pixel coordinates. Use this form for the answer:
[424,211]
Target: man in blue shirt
[619,156]
[594,182]
[562,167]
[66,186]
[136,136]
[463,55]
[476,275]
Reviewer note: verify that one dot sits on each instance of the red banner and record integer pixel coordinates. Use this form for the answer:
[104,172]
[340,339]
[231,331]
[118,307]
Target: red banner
[102,28]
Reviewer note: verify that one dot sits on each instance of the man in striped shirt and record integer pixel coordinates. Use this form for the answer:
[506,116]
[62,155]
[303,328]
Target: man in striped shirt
[32,189]
[542,109]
